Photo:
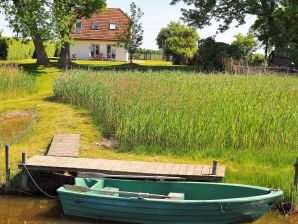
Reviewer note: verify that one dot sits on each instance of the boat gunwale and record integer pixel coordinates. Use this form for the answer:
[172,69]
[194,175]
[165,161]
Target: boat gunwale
[272,193]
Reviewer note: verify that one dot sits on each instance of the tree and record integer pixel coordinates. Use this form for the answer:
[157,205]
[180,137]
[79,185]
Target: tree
[178,41]
[30,18]
[212,53]
[66,14]
[133,37]
[228,11]
[247,45]
[286,23]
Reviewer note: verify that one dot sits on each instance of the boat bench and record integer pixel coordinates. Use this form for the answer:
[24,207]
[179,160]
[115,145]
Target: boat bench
[176,196]
[113,191]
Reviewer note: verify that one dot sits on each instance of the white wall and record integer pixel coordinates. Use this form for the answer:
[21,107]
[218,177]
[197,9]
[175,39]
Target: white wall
[82,49]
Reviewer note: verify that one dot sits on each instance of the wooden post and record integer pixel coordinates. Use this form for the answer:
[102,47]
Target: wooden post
[214,167]
[7,168]
[24,157]
[24,177]
[296,175]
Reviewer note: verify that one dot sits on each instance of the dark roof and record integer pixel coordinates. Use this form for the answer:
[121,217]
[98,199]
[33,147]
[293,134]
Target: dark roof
[110,15]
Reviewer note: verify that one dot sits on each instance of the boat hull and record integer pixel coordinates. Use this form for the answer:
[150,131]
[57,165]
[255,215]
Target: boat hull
[136,210]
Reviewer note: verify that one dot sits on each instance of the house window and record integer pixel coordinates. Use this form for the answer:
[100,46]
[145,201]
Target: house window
[78,27]
[95,26]
[111,52]
[95,51]
[113,26]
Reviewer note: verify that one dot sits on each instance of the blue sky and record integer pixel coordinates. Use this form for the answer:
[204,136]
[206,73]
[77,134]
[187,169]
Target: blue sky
[157,14]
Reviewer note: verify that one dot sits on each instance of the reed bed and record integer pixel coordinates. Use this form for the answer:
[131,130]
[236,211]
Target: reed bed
[249,123]
[14,82]
[188,111]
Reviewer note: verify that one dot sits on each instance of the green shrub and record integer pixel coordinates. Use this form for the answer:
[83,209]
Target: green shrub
[212,53]
[13,49]
[50,49]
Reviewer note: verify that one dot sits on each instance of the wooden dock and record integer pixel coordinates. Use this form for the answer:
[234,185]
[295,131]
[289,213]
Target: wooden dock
[123,167]
[63,153]
[65,145]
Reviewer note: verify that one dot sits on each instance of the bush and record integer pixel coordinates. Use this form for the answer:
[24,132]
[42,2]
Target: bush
[50,49]
[211,54]
[13,49]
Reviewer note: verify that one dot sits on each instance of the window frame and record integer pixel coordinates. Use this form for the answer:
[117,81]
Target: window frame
[111,51]
[78,30]
[113,24]
[97,23]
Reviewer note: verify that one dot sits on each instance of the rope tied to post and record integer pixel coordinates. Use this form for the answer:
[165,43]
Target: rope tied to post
[38,187]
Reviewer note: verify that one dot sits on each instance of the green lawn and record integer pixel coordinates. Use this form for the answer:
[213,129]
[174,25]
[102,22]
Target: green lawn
[270,166]
[55,117]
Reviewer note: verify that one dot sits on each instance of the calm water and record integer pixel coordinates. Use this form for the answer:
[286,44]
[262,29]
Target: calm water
[14,210]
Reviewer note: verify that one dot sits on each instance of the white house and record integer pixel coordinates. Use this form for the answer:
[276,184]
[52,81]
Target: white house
[96,38]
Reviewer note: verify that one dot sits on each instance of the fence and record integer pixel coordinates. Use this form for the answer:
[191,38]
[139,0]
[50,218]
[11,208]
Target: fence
[232,66]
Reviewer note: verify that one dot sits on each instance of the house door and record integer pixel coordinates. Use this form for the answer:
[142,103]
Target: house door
[94,51]
[111,51]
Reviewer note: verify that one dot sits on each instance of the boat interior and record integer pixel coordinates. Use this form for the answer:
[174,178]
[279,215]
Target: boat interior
[172,190]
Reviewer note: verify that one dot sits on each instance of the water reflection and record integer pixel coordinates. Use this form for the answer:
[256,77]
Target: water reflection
[42,211]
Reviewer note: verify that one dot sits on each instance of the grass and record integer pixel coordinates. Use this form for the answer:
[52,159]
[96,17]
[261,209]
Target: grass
[14,82]
[116,63]
[54,118]
[249,123]
[266,166]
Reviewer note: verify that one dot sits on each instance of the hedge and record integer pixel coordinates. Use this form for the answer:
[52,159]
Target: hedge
[13,49]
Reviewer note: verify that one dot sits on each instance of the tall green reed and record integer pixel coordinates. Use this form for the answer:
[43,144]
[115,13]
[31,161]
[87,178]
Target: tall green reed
[14,82]
[188,111]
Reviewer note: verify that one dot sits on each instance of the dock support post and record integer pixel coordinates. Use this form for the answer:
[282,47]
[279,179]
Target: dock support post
[24,177]
[24,157]
[214,167]
[7,168]
[296,175]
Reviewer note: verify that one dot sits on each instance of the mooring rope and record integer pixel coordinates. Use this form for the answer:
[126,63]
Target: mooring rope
[42,191]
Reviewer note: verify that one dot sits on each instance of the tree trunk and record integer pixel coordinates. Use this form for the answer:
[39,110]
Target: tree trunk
[41,54]
[131,57]
[65,56]
[266,57]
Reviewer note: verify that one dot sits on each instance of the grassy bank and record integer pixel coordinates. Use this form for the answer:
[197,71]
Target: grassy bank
[249,123]
[14,82]
[55,117]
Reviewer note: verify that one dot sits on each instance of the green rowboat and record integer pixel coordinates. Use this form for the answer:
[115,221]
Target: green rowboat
[140,201]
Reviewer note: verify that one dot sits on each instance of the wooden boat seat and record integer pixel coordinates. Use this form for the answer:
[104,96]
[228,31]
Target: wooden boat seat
[176,196]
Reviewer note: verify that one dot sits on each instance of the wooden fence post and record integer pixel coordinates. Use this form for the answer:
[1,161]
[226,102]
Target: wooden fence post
[296,175]
[214,167]
[7,168]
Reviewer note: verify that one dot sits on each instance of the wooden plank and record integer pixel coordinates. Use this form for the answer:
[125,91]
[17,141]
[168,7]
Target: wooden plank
[167,169]
[65,145]
[198,170]
[183,169]
[160,168]
[190,170]
[207,170]
[175,169]
[122,167]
